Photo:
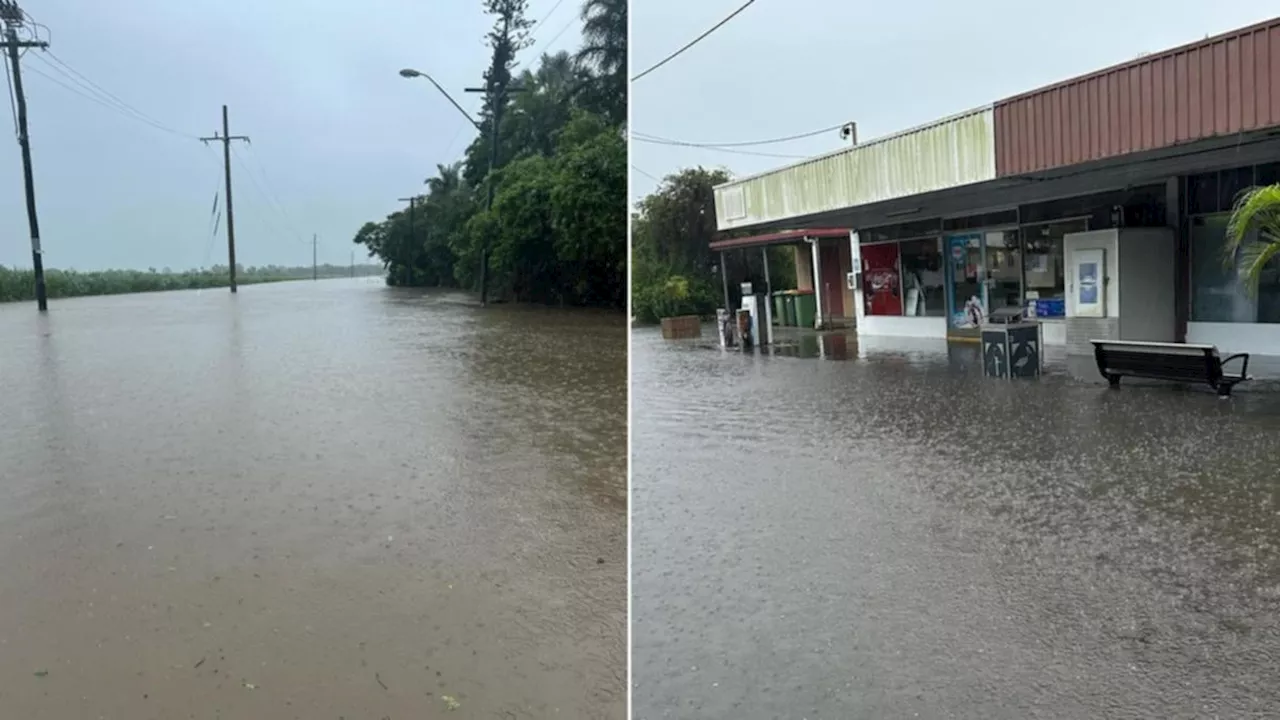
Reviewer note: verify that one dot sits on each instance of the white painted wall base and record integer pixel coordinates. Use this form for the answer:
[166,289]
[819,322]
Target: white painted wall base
[1054,331]
[897,326]
[1253,338]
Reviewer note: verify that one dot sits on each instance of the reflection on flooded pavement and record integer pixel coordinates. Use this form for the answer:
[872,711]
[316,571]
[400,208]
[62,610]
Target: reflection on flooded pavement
[313,500]
[896,536]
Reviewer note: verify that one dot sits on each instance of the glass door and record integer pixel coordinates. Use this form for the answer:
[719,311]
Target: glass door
[1003,275]
[965,276]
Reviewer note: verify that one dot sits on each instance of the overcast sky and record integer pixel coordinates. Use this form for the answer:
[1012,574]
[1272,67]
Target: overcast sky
[337,134]
[785,67]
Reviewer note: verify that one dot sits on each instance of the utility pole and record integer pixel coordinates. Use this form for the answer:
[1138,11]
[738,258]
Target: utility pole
[497,100]
[315,274]
[12,18]
[413,226]
[225,138]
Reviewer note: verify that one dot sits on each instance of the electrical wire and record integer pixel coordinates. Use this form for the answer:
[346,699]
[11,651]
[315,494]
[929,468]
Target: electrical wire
[272,196]
[717,148]
[556,37]
[642,172]
[546,17]
[773,141]
[267,197]
[82,91]
[694,41]
[66,68]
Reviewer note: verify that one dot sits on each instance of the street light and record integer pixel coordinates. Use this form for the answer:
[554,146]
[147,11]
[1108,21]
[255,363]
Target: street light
[495,122]
[411,73]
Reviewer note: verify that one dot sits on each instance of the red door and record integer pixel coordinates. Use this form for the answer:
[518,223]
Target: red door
[881,288]
[832,281]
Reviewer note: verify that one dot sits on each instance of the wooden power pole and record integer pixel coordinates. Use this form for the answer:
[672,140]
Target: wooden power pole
[225,138]
[11,17]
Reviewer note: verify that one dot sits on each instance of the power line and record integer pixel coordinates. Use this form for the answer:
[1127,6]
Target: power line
[642,172]
[272,197]
[78,88]
[253,180]
[694,41]
[773,141]
[546,17]
[556,37]
[716,148]
[66,68]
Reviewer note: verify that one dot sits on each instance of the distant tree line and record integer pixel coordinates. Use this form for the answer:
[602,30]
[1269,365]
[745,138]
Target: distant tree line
[557,230]
[18,284]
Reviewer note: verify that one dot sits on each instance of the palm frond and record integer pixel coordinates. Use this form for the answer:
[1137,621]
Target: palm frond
[1253,233]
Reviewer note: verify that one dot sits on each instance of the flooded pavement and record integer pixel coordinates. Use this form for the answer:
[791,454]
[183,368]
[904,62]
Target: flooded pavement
[894,536]
[313,500]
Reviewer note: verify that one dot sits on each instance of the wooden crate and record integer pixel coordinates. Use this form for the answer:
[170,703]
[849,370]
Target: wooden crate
[682,327]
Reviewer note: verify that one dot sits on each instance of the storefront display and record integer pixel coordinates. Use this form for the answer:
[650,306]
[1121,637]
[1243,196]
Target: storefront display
[881,280]
[964,262]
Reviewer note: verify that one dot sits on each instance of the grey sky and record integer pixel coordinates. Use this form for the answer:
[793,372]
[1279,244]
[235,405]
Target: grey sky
[784,67]
[337,134]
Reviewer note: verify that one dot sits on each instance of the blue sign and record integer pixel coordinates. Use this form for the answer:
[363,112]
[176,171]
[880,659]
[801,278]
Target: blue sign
[1089,283]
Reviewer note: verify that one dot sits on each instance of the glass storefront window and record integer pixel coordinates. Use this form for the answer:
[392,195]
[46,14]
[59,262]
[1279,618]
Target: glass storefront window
[881,284]
[1217,292]
[922,278]
[1046,290]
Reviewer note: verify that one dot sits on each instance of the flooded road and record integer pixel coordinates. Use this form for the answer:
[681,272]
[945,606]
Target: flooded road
[313,500]
[897,537]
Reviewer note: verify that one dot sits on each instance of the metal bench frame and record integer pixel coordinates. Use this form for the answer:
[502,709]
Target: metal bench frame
[1214,374]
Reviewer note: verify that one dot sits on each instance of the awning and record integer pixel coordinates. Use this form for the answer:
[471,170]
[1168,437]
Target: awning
[786,237]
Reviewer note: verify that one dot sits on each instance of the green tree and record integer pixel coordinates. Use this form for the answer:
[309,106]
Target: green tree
[604,34]
[1253,234]
[557,229]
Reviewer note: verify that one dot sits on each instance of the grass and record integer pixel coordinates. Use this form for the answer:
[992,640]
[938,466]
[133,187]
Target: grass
[18,284]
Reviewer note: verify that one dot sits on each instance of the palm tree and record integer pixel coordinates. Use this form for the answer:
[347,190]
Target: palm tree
[1253,233]
[604,37]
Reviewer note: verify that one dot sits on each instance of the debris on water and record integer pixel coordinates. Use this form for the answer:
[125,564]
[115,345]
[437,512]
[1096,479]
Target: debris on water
[250,686]
[197,665]
[450,702]
[42,673]
[379,679]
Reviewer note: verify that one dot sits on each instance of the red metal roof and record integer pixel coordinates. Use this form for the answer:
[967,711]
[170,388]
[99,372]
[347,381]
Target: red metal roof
[778,238]
[1217,86]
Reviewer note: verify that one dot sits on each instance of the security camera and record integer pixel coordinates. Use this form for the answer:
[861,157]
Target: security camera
[849,132]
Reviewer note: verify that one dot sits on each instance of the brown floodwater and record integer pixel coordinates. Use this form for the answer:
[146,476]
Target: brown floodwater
[888,534]
[311,500]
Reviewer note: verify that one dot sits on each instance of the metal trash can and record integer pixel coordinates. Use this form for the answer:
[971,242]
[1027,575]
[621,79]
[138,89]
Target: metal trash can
[1011,345]
[806,308]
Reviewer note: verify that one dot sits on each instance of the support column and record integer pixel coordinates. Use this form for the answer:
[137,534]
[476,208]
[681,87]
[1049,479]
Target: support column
[724,282]
[855,265]
[1173,213]
[817,282]
[768,297]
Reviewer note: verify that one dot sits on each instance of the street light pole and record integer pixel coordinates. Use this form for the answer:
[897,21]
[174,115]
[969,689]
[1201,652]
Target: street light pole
[495,103]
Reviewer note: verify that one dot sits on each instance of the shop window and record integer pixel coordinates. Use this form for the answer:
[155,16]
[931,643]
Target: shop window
[1217,292]
[1268,174]
[923,282]
[971,222]
[881,284]
[1202,193]
[1043,261]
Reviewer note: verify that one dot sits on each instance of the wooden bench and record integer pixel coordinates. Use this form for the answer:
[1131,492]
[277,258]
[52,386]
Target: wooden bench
[1176,362]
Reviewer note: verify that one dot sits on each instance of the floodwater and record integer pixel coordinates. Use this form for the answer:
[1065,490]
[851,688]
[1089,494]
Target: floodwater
[895,536]
[311,500]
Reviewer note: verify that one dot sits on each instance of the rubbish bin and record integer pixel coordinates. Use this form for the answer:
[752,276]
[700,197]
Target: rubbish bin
[779,300]
[789,308]
[806,308]
[1011,345]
